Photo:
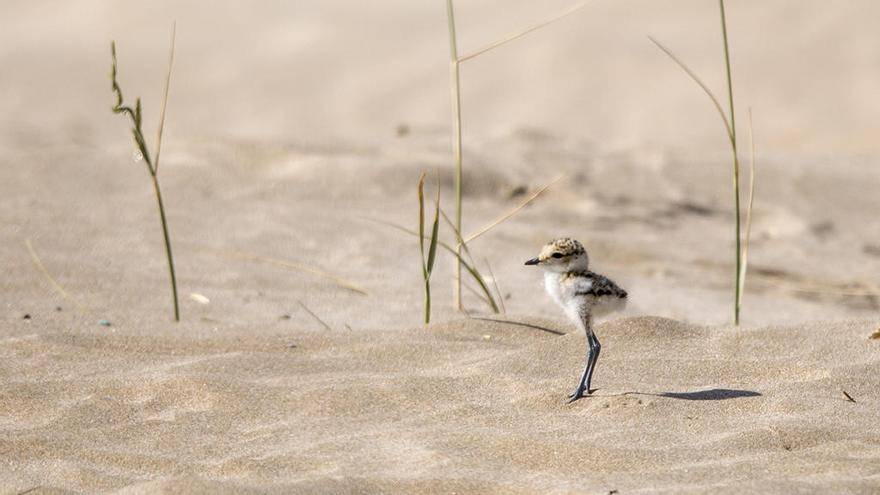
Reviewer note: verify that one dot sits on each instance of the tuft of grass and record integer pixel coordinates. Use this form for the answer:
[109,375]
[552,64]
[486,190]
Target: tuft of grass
[729,121]
[455,61]
[136,116]
[428,261]
[468,266]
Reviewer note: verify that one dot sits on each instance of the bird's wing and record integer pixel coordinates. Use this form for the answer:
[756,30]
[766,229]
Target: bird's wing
[593,284]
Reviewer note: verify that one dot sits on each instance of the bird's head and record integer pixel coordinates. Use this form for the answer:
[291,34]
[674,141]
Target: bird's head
[562,255]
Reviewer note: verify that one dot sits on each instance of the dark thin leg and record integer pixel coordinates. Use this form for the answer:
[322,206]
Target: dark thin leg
[592,355]
[588,366]
[595,348]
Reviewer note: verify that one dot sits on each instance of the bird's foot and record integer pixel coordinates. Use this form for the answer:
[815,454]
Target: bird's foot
[577,394]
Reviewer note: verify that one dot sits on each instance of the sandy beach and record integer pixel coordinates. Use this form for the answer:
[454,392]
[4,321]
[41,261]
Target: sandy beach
[297,132]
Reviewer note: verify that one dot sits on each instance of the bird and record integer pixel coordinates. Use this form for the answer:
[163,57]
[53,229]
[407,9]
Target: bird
[582,295]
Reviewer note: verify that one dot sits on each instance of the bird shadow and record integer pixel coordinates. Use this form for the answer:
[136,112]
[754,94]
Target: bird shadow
[519,324]
[711,394]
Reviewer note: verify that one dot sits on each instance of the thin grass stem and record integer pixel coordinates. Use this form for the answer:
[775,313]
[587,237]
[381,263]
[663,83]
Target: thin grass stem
[733,144]
[165,98]
[519,34]
[54,283]
[428,262]
[339,281]
[460,244]
[476,294]
[165,235]
[455,88]
[136,116]
[512,212]
[699,82]
[745,251]
[474,273]
[316,317]
[730,128]
[497,290]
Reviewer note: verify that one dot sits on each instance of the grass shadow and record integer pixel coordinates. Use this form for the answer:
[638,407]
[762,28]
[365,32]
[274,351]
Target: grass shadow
[519,324]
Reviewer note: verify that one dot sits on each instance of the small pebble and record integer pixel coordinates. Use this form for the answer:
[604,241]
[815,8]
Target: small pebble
[26,316]
[285,317]
[199,298]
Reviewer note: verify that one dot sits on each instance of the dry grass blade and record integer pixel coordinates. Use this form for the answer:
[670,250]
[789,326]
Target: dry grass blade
[165,98]
[519,34]
[512,212]
[467,266]
[497,290]
[848,397]
[42,268]
[316,317]
[473,264]
[339,281]
[745,251]
[476,294]
[699,82]
[455,92]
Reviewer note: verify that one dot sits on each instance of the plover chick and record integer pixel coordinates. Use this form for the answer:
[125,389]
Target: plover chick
[582,294]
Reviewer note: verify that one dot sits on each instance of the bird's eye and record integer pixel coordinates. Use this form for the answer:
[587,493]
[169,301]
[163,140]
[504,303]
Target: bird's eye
[557,255]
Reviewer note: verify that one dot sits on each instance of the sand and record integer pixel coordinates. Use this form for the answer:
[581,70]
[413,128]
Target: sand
[294,128]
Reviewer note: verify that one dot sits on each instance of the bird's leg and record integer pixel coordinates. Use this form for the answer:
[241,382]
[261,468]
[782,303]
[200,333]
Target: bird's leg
[592,355]
[595,347]
[588,366]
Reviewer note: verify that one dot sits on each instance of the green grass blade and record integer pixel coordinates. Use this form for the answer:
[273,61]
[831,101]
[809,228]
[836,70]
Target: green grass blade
[426,271]
[471,265]
[467,266]
[435,231]
[732,129]
[422,221]
[136,116]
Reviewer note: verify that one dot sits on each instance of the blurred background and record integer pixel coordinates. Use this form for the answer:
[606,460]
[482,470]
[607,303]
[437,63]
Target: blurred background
[288,121]
[347,71]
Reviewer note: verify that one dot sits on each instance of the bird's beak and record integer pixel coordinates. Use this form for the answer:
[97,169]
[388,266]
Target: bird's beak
[533,261]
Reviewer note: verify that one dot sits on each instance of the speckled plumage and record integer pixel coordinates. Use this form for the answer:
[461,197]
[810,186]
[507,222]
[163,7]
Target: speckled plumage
[581,293]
